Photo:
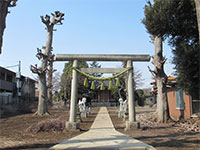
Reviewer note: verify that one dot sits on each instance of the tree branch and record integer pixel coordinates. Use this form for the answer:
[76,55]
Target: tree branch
[40,55]
[46,70]
[153,72]
[49,86]
[57,18]
[164,80]
[51,58]
[152,60]
[12,3]
[36,70]
[46,20]
[152,38]
[163,60]
[44,47]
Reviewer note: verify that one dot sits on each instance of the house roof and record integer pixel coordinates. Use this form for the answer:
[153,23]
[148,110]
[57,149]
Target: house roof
[14,73]
[170,79]
[6,70]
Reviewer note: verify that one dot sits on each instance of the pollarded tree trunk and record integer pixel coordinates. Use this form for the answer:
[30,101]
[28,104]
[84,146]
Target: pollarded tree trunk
[49,79]
[43,98]
[45,58]
[197,3]
[42,103]
[161,80]
[4,4]
[48,49]
[162,104]
[41,71]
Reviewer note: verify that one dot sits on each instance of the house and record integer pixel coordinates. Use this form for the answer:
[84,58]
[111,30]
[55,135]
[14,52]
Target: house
[103,97]
[7,81]
[10,89]
[180,103]
[28,88]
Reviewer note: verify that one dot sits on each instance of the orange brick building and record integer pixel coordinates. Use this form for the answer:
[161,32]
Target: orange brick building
[180,104]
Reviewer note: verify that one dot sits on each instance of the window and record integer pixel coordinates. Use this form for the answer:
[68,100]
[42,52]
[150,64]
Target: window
[2,76]
[9,78]
[179,99]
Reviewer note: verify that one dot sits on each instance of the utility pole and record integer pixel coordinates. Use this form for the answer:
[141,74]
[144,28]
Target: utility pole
[18,77]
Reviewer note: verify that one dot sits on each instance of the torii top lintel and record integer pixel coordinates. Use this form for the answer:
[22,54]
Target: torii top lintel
[102,57]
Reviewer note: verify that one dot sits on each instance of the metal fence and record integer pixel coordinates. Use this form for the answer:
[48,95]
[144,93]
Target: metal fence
[6,100]
[9,99]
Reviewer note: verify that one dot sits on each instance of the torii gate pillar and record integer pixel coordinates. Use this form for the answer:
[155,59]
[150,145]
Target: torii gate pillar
[131,123]
[72,124]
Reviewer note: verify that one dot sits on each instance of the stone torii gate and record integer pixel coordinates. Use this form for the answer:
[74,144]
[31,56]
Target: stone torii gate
[72,124]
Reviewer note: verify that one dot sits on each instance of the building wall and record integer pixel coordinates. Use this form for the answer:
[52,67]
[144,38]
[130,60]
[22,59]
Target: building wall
[7,80]
[188,106]
[28,87]
[102,96]
[8,84]
[175,113]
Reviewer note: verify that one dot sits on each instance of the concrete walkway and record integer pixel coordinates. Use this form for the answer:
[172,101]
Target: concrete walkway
[102,135]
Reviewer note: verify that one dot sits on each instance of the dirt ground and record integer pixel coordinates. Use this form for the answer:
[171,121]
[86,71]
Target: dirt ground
[14,134]
[170,136]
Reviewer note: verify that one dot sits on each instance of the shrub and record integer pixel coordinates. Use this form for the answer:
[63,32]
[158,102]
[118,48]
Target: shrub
[54,125]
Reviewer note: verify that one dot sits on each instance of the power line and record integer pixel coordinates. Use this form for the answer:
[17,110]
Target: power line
[6,60]
[12,66]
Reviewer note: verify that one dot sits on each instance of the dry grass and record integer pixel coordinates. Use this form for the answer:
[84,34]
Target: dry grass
[53,125]
[26,131]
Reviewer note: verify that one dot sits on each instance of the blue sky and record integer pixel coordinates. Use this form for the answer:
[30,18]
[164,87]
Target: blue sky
[90,27]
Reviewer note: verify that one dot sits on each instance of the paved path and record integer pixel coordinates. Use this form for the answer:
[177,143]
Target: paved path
[102,135]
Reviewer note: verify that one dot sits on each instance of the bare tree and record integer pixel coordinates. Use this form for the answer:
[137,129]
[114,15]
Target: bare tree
[45,57]
[161,80]
[4,4]
[138,80]
[56,82]
[66,85]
